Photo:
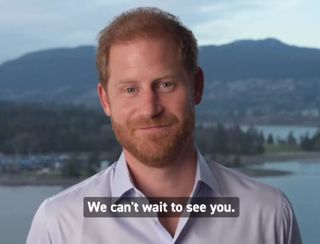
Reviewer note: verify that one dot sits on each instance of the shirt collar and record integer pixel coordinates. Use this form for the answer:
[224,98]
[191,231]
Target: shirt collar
[205,174]
[122,182]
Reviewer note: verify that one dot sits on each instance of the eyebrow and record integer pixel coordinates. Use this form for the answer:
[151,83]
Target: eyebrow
[121,82]
[129,81]
[173,76]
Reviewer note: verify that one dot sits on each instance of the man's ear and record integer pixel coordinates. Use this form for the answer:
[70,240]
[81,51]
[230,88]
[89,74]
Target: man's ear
[104,99]
[198,85]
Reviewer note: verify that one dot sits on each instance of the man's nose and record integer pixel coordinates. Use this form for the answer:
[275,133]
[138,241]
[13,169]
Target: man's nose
[151,104]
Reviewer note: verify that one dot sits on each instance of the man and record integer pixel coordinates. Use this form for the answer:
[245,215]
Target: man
[149,86]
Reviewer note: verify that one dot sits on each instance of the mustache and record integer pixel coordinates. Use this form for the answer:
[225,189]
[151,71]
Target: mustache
[142,122]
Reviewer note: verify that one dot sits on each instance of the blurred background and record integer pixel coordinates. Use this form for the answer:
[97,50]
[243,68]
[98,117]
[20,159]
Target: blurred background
[260,113]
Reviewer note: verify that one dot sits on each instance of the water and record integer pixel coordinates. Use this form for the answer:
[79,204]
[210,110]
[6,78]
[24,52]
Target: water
[302,188]
[17,207]
[18,204]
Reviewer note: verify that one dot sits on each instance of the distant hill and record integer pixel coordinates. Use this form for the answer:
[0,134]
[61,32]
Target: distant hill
[265,59]
[263,81]
[62,75]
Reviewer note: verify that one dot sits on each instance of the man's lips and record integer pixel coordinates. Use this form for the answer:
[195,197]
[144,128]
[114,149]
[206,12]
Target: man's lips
[154,127]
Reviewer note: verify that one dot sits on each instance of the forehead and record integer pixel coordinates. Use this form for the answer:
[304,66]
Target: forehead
[143,55]
[147,44]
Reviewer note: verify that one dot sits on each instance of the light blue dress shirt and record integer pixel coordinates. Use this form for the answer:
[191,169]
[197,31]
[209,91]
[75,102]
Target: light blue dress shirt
[266,216]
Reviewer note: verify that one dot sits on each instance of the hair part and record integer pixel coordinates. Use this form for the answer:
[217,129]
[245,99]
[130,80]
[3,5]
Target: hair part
[146,23]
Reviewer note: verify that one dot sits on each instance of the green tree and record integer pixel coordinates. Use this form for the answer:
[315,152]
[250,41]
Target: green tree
[72,167]
[270,139]
[93,163]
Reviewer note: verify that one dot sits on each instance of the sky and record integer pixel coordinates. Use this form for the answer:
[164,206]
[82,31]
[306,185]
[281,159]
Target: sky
[33,25]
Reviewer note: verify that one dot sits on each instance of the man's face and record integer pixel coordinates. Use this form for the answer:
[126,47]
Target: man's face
[150,99]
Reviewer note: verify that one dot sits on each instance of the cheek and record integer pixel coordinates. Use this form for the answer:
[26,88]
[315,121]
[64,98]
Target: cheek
[121,112]
[181,106]
[186,98]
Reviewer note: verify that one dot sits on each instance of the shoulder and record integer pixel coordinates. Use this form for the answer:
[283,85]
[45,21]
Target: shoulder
[263,208]
[260,204]
[96,185]
[62,214]
[250,191]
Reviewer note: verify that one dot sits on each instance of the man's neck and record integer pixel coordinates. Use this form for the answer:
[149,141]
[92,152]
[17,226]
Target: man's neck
[168,181]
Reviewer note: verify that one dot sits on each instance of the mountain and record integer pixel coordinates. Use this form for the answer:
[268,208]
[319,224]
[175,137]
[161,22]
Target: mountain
[265,59]
[262,81]
[64,75]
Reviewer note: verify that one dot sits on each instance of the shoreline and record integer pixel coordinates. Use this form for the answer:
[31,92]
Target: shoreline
[22,180]
[247,160]
[241,164]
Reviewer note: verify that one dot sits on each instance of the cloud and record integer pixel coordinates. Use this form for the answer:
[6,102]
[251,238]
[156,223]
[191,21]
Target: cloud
[38,24]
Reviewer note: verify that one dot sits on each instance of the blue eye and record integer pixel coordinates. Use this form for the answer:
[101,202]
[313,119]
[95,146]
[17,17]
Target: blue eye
[130,90]
[167,86]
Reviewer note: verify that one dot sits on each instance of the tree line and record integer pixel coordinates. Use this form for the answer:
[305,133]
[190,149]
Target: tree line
[34,128]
